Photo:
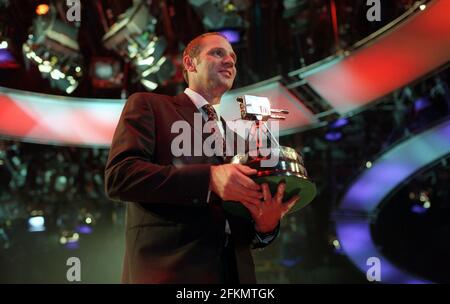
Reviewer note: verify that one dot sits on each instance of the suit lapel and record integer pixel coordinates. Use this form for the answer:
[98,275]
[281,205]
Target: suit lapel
[186,108]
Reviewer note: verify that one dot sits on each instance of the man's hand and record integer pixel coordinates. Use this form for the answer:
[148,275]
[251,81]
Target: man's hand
[231,183]
[267,214]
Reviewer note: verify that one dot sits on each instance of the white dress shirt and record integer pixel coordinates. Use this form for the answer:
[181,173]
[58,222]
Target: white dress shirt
[199,101]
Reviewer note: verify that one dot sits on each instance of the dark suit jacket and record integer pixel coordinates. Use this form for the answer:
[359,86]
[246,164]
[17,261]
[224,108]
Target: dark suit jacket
[172,234]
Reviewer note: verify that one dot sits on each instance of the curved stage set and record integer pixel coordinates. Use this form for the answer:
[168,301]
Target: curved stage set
[411,47]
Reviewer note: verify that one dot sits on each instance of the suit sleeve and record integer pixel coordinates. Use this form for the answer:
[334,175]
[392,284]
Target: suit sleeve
[131,174]
[262,240]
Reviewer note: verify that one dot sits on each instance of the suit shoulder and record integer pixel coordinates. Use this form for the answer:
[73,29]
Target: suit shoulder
[153,99]
[148,97]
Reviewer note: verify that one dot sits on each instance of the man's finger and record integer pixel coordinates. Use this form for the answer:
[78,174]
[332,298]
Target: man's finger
[280,192]
[266,192]
[290,203]
[246,169]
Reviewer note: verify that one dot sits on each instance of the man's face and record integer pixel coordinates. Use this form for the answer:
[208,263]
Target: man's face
[215,65]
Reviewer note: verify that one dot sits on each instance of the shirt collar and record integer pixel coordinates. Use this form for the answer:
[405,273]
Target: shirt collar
[198,100]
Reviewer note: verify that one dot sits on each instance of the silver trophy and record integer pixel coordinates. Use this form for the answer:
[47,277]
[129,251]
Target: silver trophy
[274,164]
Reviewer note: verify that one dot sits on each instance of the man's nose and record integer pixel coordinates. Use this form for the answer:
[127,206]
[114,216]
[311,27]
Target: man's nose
[228,61]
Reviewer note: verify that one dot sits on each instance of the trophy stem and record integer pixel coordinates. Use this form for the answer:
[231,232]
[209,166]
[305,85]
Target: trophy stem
[256,133]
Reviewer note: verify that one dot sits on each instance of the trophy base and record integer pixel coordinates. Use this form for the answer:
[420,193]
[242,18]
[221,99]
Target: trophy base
[294,185]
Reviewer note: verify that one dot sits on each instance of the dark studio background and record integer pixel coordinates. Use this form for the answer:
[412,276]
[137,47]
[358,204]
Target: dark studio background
[276,37]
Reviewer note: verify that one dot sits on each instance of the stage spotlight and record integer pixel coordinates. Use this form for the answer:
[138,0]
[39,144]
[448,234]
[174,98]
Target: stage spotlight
[53,47]
[36,222]
[42,9]
[215,17]
[106,73]
[152,67]
[70,239]
[423,196]
[336,244]
[221,14]
[103,70]
[421,201]
[133,37]
[158,73]
[61,182]
[87,218]
[68,236]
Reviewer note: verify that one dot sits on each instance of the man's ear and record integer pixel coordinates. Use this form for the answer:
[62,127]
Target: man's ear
[188,63]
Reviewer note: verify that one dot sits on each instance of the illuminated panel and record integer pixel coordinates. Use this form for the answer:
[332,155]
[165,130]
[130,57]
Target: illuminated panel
[58,120]
[374,185]
[61,120]
[410,50]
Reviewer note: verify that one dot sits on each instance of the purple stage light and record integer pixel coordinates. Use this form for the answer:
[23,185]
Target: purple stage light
[333,135]
[233,36]
[418,209]
[290,262]
[72,245]
[7,60]
[84,229]
[421,104]
[339,123]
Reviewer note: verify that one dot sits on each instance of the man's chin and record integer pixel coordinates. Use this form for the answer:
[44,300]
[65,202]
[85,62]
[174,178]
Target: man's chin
[226,85]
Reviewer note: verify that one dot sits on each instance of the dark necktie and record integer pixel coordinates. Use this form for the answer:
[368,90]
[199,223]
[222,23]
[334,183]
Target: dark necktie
[212,115]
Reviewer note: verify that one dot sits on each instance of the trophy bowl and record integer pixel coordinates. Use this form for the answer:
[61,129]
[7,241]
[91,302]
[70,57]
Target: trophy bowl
[280,164]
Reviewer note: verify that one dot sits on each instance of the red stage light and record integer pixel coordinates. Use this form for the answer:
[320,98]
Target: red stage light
[42,9]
